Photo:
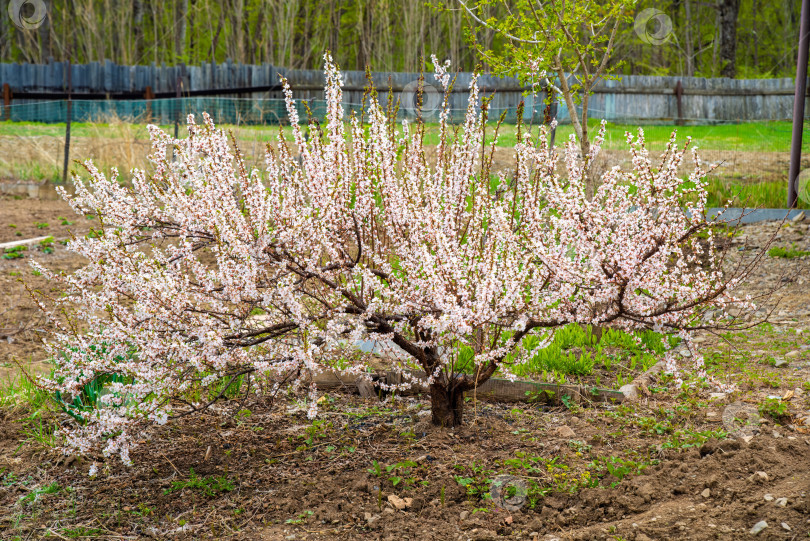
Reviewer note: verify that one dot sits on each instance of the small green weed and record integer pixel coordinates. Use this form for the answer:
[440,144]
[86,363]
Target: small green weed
[210,486]
[36,494]
[41,428]
[143,510]
[300,519]
[81,531]
[477,481]
[402,472]
[19,391]
[316,431]
[15,252]
[683,439]
[576,351]
[775,408]
[617,467]
[46,245]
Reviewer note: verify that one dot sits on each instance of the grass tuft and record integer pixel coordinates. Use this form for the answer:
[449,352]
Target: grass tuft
[787,253]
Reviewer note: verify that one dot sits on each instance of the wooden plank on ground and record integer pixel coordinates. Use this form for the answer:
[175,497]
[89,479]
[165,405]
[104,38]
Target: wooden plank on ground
[497,390]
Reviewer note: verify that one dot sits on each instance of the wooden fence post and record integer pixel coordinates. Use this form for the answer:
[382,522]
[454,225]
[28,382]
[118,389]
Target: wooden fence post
[149,95]
[6,101]
[67,124]
[679,101]
[177,106]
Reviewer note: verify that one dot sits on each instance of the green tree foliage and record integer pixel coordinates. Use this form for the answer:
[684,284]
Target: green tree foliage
[568,44]
[385,34]
[766,40]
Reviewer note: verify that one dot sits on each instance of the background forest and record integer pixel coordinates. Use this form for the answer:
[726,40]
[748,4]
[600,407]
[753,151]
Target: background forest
[731,38]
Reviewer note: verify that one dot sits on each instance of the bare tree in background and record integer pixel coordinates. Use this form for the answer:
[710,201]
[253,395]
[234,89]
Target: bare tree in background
[727,12]
[180,24]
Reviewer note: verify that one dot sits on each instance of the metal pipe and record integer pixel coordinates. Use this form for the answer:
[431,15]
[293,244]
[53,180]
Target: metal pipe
[798,106]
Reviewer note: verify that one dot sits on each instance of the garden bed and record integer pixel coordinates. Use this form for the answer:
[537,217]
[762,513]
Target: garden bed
[658,468]
[249,471]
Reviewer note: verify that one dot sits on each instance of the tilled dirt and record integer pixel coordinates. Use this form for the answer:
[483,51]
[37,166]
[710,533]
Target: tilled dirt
[21,322]
[26,218]
[673,474]
[284,488]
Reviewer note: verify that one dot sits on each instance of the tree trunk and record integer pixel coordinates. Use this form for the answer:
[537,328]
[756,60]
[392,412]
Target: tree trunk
[137,30]
[727,11]
[690,50]
[447,406]
[5,31]
[755,35]
[45,36]
[181,18]
[580,123]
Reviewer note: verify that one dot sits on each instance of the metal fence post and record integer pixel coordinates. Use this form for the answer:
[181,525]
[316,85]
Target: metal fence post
[798,107]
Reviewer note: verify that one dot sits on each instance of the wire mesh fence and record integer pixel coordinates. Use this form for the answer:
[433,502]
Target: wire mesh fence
[751,159]
[272,111]
[226,110]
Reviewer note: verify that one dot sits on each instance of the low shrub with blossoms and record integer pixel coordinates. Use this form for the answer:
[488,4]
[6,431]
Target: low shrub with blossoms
[206,271]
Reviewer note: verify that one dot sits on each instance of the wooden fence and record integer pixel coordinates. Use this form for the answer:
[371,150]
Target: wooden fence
[632,99]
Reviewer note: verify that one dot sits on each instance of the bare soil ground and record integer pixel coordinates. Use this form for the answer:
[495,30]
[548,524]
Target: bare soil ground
[660,468]
[285,488]
[20,319]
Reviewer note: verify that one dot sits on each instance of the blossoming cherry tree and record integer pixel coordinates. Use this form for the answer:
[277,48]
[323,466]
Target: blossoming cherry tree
[206,271]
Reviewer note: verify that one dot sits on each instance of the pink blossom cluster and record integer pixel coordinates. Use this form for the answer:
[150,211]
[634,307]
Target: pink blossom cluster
[207,270]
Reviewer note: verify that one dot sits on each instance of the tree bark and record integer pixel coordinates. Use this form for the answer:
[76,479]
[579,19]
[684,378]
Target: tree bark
[137,30]
[5,30]
[446,404]
[579,123]
[689,46]
[727,11]
[755,34]
[180,21]
[45,35]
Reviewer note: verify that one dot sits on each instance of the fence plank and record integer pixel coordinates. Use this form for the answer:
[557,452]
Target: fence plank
[633,97]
